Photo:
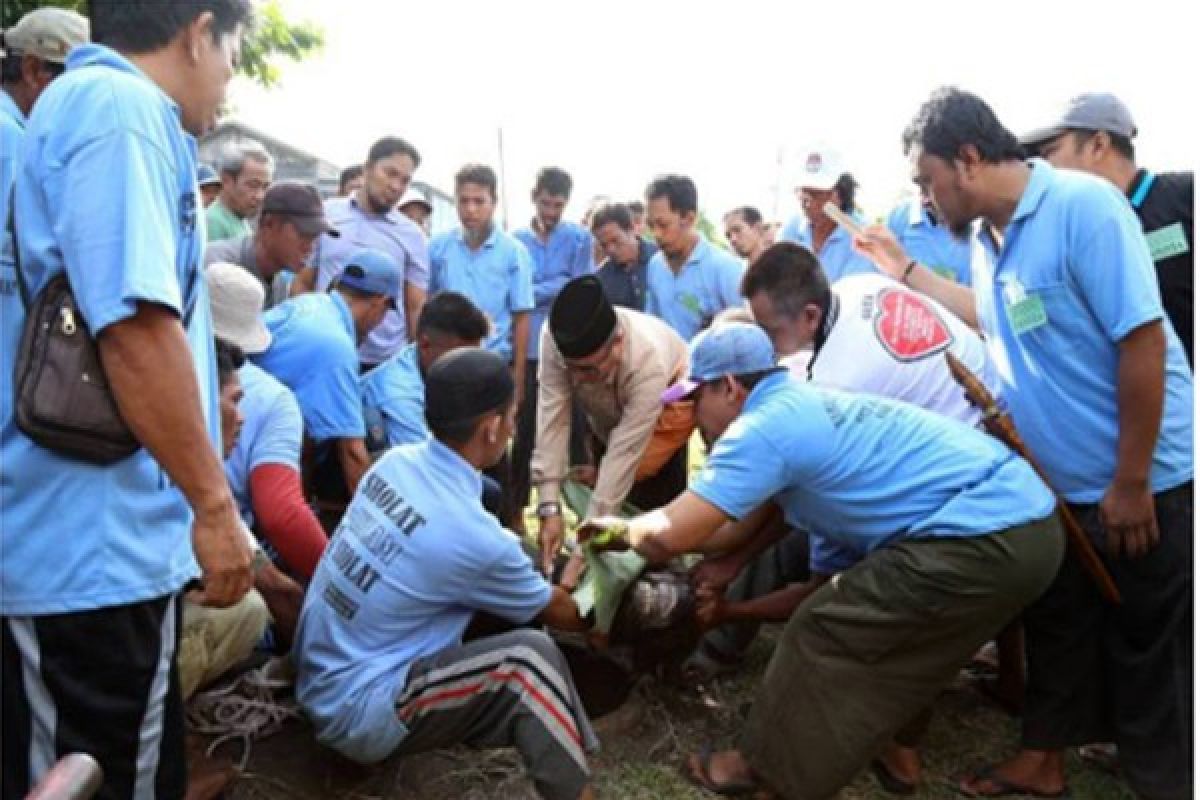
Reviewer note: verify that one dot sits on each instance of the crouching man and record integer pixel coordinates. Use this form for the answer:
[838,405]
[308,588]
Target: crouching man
[380,659]
[959,535]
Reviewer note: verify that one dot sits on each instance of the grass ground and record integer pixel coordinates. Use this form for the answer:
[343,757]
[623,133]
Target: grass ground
[644,745]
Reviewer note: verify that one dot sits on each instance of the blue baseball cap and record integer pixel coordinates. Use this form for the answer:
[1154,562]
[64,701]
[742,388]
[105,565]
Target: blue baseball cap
[207,176]
[373,272]
[734,348]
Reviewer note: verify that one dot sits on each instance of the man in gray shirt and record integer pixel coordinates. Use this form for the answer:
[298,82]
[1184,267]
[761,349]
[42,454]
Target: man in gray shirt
[292,219]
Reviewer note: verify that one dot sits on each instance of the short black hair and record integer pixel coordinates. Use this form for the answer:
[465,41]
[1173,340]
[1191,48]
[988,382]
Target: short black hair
[1122,144]
[791,276]
[554,182]
[749,214]
[617,213]
[143,26]
[230,359]
[636,207]
[679,190]
[389,146]
[952,119]
[349,174]
[478,174]
[10,66]
[459,431]
[455,315]
[846,186]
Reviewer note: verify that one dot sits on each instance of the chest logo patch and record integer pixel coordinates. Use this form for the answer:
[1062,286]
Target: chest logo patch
[908,327]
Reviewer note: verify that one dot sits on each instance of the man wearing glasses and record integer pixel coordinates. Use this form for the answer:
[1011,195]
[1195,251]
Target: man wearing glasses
[615,363]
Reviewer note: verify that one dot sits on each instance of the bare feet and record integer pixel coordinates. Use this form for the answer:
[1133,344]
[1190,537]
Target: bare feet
[1034,772]
[724,772]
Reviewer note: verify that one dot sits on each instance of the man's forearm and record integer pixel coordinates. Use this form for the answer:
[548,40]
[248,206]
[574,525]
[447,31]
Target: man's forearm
[520,340]
[778,606]
[958,299]
[148,364]
[414,299]
[352,453]
[562,613]
[1141,378]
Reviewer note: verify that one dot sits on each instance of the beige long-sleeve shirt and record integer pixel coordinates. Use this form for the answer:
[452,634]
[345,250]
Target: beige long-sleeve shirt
[621,412]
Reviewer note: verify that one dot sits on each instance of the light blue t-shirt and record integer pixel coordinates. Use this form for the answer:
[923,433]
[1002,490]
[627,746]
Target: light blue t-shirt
[566,254]
[394,401]
[392,233]
[1073,279]
[272,433]
[861,471]
[709,282]
[931,243]
[498,278]
[415,557]
[312,353]
[12,134]
[106,190]
[838,257]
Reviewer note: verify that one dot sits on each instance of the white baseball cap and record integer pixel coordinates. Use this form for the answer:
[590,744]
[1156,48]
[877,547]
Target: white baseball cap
[236,297]
[414,196]
[819,168]
[47,33]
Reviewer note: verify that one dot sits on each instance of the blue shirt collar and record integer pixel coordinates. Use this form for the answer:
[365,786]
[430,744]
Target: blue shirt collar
[390,216]
[1040,177]
[489,242]
[465,479]
[9,106]
[700,251]
[90,55]
[339,303]
[916,213]
[765,388]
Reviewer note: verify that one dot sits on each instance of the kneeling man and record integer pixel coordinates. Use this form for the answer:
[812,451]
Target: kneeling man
[380,659]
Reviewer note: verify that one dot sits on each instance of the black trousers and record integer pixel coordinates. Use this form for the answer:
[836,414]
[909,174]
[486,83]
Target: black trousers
[101,682]
[526,438]
[1100,673]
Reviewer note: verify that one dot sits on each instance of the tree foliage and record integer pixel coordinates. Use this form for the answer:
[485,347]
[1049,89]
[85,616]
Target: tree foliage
[273,37]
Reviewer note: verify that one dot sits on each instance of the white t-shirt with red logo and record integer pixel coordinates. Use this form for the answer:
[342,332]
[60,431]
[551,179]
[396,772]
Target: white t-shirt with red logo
[890,341]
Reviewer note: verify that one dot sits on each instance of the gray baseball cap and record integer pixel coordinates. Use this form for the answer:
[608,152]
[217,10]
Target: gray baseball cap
[1094,111]
[47,33]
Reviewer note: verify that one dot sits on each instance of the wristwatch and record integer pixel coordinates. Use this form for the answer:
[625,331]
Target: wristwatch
[550,508]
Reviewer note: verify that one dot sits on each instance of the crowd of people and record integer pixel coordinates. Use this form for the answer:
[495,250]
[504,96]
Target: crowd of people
[344,429]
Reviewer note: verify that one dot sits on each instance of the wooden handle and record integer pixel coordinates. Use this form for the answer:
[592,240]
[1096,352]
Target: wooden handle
[842,218]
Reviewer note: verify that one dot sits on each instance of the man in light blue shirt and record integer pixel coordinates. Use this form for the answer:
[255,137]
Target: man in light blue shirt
[35,51]
[394,392]
[959,534]
[560,251]
[1064,291]
[97,554]
[689,281]
[494,271]
[381,667]
[312,352]
[916,226]
[823,179]
[367,218]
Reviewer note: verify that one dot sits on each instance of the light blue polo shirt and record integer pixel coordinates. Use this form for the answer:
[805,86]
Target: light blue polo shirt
[566,254]
[1073,279]
[709,282]
[412,561]
[394,234]
[498,278]
[106,190]
[272,433]
[12,133]
[394,400]
[312,353]
[838,257]
[861,471]
[931,243]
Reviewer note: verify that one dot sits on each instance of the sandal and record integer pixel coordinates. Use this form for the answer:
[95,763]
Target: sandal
[698,772]
[1003,787]
[890,783]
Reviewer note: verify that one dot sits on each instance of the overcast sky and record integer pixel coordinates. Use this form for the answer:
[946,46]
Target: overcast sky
[616,91]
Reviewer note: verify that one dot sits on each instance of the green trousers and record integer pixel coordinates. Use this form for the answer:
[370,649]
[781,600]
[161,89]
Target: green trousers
[867,652]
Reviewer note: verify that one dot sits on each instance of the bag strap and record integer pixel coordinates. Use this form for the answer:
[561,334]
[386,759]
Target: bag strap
[11,229]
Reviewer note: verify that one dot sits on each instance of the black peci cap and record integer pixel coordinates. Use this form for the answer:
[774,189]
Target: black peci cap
[581,318]
[466,383]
